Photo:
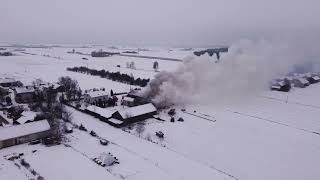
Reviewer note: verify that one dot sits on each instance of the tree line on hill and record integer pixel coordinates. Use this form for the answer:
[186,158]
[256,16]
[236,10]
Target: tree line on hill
[6,54]
[114,76]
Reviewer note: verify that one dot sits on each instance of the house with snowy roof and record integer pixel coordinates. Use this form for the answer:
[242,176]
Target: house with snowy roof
[135,114]
[10,82]
[96,97]
[300,82]
[99,112]
[312,78]
[281,86]
[19,134]
[24,94]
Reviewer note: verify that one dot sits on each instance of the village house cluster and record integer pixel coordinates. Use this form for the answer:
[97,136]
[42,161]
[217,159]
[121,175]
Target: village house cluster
[126,107]
[20,122]
[297,80]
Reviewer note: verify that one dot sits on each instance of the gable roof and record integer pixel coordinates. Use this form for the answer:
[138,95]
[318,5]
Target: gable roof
[98,110]
[137,111]
[20,90]
[94,94]
[316,78]
[7,80]
[24,129]
[302,80]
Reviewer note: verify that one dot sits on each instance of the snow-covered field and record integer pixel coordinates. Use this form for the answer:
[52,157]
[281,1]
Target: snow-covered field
[273,136]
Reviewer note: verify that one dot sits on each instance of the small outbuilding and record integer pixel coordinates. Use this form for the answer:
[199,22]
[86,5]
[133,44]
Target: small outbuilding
[19,134]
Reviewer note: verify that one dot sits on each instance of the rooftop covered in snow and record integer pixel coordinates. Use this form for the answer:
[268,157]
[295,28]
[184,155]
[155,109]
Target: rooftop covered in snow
[7,80]
[137,111]
[94,94]
[101,111]
[24,129]
[20,90]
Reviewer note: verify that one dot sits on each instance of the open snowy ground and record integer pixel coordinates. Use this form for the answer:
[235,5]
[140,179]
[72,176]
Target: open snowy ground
[273,136]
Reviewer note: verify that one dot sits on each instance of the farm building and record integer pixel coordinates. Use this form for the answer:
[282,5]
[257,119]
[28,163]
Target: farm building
[134,114]
[10,82]
[24,94]
[313,79]
[127,101]
[96,97]
[300,82]
[14,135]
[281,86]
[99,112]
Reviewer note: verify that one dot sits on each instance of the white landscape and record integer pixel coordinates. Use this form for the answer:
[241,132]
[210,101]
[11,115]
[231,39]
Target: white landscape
[266,137]
[161,90]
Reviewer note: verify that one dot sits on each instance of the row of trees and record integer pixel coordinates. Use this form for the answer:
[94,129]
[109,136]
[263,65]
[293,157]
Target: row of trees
[114,76]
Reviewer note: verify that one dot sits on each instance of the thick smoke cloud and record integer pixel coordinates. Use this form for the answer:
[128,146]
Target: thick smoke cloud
[240,74]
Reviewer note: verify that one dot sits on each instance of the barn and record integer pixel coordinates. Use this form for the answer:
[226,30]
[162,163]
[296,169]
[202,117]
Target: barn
[300,82]
[313,79]
[99,112]
[19,134]
[135,114]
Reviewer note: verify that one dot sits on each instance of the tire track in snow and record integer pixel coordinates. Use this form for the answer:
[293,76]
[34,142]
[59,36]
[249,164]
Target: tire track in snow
[190,159]
[274,122]
[156,164]
[289,102]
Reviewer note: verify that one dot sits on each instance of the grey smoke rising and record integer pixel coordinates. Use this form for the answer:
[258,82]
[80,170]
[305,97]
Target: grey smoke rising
[240,74]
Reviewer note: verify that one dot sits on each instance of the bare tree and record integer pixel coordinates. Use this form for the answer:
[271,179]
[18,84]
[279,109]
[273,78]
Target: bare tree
[140,128]
[70,86]
[155,65]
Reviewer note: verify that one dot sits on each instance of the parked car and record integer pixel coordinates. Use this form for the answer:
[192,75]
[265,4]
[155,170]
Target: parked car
[160,134]
[34,142]
[82,128]
[92,133]
[104,142]
[69,129]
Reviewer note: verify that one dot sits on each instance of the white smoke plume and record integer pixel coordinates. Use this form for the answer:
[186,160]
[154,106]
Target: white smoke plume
[245,71]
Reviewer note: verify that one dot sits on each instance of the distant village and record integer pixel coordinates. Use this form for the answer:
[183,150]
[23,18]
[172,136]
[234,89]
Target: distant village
[301,80]
[37,113]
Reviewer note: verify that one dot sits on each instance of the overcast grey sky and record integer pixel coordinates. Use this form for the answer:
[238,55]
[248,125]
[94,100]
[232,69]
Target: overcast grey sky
[166,22]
